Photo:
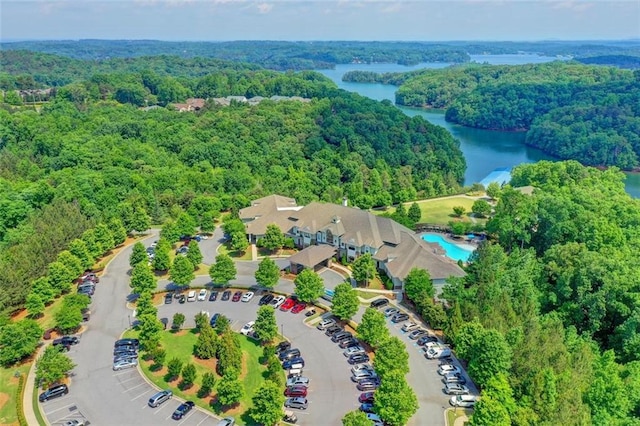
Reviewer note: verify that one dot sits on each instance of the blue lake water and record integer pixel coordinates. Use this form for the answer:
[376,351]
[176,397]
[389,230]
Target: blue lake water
[483,150]
[453,251]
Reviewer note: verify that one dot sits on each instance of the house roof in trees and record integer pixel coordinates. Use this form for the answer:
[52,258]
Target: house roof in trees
[397,246]
[313,255]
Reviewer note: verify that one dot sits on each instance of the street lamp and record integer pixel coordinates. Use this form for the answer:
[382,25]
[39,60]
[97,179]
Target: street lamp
[282,330]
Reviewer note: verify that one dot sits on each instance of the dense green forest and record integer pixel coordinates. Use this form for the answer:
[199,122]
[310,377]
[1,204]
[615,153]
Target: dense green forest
[277,55]
[91,149]
[572,111]
[549,314]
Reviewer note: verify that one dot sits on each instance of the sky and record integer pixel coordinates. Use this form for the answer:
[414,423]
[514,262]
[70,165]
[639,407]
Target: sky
[221,20]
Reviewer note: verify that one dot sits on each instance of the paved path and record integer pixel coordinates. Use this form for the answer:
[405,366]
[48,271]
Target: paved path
[27,402]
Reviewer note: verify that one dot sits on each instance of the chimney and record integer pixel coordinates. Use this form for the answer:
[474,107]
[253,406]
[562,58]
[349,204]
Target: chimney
[345,201]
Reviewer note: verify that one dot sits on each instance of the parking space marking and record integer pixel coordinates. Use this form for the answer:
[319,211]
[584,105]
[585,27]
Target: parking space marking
[134,387]
[58,409]
[129,379]
[120,373]
[142,394]
[162,407]
[205,418]
[187,417]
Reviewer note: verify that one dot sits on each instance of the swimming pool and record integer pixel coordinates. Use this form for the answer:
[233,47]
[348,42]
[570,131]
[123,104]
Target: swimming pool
[453,251]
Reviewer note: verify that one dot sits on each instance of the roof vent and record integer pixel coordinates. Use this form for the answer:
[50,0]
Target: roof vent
[335,219]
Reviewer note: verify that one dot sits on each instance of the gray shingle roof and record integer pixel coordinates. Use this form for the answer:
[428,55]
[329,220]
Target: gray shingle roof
[312,255]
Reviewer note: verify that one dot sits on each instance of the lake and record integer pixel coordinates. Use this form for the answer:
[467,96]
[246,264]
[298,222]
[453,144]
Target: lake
[483,150]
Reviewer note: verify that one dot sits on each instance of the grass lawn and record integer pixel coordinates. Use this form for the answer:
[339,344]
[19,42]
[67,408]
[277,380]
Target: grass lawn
[180,345]
[367,295]
[235,254]
[454,413]
[8,414]
[440,210]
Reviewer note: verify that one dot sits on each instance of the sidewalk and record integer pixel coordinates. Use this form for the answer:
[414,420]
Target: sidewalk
[27,404]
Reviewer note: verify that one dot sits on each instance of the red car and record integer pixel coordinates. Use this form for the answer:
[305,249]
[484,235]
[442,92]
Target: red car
[298,307]
[236,296]
[288,304]
[294,391]
[366,397]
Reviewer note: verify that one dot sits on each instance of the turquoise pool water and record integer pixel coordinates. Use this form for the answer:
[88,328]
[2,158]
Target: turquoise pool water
[453,251]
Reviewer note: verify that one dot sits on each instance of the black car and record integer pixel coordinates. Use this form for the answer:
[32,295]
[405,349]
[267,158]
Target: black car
[121,350]
[168,298]
[182,410]
[182,298]
[379,303]
[426,339]
[226,295]
[67,340]
[124,357]
[127,342]
[264,300]
[53,392]
[310,313]
[289,353]
[213,296]
[358,358]
[283,346]
[64,346]
[333,330]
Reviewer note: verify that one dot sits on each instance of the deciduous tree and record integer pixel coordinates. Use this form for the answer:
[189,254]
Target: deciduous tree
[267,404]
[34,305]
[142,279]
[79,249]
[418,284]
[273,238]
[42,287]
[356,418]
[373,328]
[18,340]
[268,273]
[345,301]
[309,285]
[149,327]
[194,254]
[208,381]
[174,367]
[459,211]
[178,320]
[230,390]
[265,326]
[223,271]
[391,356]
[395,401]
[364,269]
[189,375]
[207,343]
[481,208]
[138,255]
[181,271]
[414,213]
[144,304]
[52,366]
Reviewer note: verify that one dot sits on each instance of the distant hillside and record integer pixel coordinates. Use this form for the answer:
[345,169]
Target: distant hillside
[620,61]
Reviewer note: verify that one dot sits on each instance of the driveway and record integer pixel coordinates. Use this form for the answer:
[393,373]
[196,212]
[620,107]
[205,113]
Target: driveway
[96,392]
[331,392]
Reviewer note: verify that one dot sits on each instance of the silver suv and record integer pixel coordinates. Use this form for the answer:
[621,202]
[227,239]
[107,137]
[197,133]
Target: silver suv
[159,398]
[298,402]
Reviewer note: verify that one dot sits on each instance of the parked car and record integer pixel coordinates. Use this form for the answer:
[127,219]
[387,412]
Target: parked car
[446,369]
[437,352]
[454,378]
[214,319]
[455,389]
[311,312]
[182,250]
[333,330]
[168,298]
[125,363]
[295,391]
[347,343]
[247,328]
[191,296]
[283,346]
[379,303]
[53,392]
[124,357]
[463,400]
[367,385]
[409,326]
[297,402]
[182,410]
[361,367]
[288,354]
[364,374]
[90,276]
[399,317]
[367,407]
[289,417]
[390,311]
[264,300]
[213,296]
[375,419]
[227,421]
[423,340]
[415,334]
[288,304]
[325,323]
[358,358]
[226,295]
[353,351]
[67,340]
[159,398]
[298,307]
[298,381]
[125,353]
[277,301]
[366,397]
[237,296]
[247,296]
[296,362]
[127,342]
[75,422]
[202,295]
[340,336]
[182,299]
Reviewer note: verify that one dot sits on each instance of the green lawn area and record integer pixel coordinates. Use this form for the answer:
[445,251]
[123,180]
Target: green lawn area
[234,254]
[180,346]
[454,413]
[8,414]
[440,210]
[367,295]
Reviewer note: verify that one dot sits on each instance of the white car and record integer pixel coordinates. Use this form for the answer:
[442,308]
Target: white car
[408,326]
[248,328]
[277,301]
[202,295]
[463,400]
[247,296]
[448,369]
[391,311]
[191,296]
